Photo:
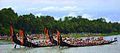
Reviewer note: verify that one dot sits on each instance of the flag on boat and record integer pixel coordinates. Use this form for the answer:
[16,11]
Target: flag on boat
[58,37]
[47,35]
[11,33]
[21,34]
[11,30]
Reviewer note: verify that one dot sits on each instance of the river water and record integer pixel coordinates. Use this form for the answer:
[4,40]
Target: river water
[111,48]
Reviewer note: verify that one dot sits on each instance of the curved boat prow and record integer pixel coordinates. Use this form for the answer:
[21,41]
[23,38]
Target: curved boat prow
[26,43]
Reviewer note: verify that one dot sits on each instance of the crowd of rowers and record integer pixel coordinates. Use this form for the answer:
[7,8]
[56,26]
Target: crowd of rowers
[85,41]
[68,40]
[74,41]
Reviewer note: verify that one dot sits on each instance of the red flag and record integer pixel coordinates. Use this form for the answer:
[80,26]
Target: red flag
[47,35]
[11,33]
[11,30]
[58,37]
[21,34]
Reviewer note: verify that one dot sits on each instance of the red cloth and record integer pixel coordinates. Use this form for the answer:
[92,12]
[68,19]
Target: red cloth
[47,35]
[21,34]
[58,37]
[11,30]
[11,33]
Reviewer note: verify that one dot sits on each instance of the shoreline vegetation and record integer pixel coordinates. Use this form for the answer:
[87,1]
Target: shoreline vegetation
[68,26]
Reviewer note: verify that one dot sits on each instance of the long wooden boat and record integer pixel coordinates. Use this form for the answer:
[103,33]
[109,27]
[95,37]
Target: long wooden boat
[27,43]
[30,44]
[83,45]
[62,44]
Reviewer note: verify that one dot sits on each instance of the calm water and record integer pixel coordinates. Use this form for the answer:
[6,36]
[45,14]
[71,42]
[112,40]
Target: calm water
[112,48]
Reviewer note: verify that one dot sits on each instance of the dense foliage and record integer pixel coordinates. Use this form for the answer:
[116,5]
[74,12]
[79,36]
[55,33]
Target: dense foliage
[35,24]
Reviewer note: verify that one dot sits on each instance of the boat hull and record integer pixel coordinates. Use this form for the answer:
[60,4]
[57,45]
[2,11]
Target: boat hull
[27,43]
[62,44]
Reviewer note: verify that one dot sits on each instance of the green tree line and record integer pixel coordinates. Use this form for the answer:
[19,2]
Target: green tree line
[36,24]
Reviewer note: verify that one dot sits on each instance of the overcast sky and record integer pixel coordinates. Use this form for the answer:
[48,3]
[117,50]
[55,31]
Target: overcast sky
[92,9]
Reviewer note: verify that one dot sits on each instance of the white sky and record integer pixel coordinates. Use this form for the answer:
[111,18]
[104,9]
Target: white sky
[91,9]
